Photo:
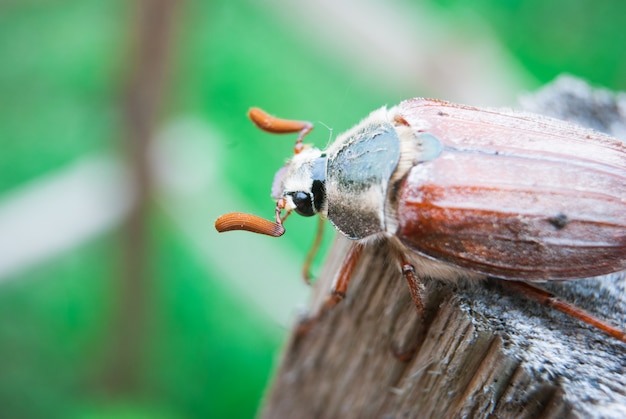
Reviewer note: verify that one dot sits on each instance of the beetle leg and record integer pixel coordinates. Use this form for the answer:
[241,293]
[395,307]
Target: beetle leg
[338,290]
[548,299]
[416,288]
[341,282]
[306,268]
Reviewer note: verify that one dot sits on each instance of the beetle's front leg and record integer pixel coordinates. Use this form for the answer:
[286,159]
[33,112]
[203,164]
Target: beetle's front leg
[338,289]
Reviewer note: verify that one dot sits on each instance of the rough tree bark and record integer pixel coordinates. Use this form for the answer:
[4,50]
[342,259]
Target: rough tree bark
[485,351]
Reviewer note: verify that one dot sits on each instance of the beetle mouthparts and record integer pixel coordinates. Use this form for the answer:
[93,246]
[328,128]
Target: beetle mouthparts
[248,222]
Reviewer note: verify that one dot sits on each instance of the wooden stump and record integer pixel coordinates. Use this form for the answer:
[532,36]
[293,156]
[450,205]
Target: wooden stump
[484,353]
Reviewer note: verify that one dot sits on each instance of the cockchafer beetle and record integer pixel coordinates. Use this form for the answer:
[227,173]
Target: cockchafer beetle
[461,192]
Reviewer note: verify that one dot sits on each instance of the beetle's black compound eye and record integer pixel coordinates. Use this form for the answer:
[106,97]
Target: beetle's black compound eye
[303,202]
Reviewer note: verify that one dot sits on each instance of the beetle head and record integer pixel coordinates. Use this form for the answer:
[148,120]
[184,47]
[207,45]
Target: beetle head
[300,184]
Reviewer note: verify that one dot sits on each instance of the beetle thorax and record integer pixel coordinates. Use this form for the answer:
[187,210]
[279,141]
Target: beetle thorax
[360,165]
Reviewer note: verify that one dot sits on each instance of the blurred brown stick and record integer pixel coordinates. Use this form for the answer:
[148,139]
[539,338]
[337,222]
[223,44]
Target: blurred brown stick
[144,94]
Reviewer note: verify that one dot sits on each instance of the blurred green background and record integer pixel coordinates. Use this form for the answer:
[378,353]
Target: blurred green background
[118,304]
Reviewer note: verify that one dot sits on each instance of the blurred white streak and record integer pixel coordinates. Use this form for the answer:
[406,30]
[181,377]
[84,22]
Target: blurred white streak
[408,48]
[58,212]
[262,271]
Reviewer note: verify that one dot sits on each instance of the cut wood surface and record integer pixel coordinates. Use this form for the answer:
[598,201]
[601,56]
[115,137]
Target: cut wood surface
[480,351]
